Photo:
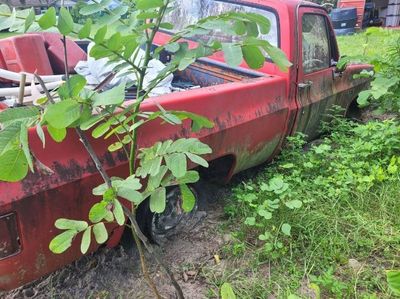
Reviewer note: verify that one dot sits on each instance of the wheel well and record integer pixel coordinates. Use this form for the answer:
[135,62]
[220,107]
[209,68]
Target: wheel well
[219,170]
[353,110]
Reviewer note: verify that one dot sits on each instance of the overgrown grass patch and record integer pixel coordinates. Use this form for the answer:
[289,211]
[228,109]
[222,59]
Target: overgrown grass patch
[367,45]
[321,221]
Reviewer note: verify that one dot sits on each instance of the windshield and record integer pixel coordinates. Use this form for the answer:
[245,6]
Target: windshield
[189,12]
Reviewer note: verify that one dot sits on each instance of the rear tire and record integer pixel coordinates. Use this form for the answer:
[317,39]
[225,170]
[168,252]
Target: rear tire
[160,227]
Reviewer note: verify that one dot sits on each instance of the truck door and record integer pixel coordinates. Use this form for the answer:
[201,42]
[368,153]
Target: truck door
[315,79]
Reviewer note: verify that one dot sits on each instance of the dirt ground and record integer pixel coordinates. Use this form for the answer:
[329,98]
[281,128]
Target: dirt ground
[115,273]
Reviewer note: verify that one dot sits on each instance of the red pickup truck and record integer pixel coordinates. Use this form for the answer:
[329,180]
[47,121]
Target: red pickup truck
[253,112]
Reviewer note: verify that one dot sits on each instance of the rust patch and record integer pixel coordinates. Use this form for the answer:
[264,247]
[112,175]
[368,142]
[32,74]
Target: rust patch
[246,159]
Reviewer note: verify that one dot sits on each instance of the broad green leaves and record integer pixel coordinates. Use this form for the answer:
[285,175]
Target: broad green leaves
[86,240]
[84,32]
[233,54]
[19,114]
[63,114]
[286,229]
[9,137]
[49,19]
[29,19]
[65,22]
[393,279]
[158,200]
[14,166]
[253,56]
[58,135]
[71,224]
[15,156]
[227,291]
[100,233]
[114,96]
[62,242]
[94,7]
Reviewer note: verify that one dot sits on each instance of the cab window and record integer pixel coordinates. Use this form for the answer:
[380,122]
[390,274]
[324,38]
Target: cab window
[315,40]
[190,12]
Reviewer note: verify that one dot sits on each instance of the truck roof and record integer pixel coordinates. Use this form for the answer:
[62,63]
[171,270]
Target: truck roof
[288,3]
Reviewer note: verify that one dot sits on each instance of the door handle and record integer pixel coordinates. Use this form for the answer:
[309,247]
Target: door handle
[305,84]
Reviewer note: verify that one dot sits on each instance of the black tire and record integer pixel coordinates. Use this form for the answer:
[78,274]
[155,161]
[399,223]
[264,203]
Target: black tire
[159,227]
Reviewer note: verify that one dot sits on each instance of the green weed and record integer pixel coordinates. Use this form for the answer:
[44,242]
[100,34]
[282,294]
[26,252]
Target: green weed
[321,219]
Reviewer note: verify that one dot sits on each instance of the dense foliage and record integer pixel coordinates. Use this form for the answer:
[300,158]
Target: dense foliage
[321,210]
[353,158]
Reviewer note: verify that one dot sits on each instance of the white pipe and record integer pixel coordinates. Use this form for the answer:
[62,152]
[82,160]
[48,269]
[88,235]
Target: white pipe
[13,91]
[13,76]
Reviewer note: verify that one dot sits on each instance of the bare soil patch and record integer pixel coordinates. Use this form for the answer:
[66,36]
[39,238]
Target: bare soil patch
[115,273]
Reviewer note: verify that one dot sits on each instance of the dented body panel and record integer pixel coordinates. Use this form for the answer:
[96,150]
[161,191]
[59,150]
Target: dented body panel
[253,113]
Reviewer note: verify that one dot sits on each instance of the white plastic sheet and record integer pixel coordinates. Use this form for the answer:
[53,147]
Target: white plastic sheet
[95,71]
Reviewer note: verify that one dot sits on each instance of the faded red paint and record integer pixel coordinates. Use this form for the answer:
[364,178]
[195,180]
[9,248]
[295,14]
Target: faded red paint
[253,115]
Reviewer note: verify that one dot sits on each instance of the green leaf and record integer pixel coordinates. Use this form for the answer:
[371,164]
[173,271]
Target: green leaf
[190,177]
[130,194]
[113,16]
[177,163]
[172,47]
[13,115]
[94,120]
[278,57]
[9,137]
[286,229]
[363,98]
[98,212]
[253,56]
[115,42]
[29,19]
[8,18]
[25,145]
[100,35]
[99,51]
[13,165]
[232,53]
[188,198]
[73,88]
[119,213]
[265,214]
[227,291]
[86,240]
[114,96]
[101,130]
[149,4]
[69,224]
[158,200]
[62,242]
[294,204]
[40,133]
[62,114]
[100,233]
[251,221]
[100,190]
[49,19]
[65,22]
[393,280]
[84,32]
[90,9]
[58,135]
[197,159]
[115,147]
